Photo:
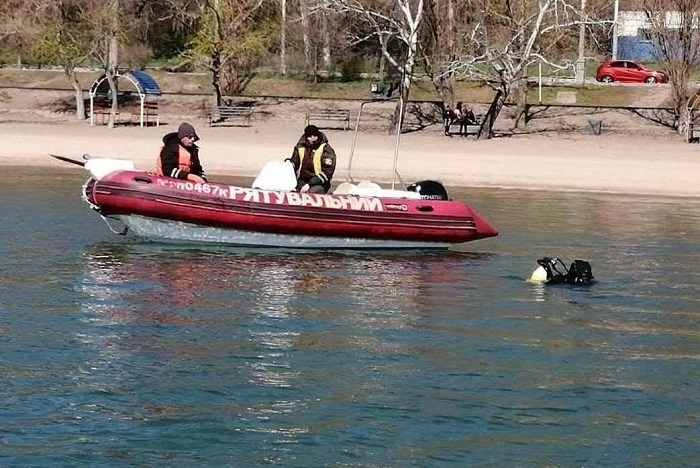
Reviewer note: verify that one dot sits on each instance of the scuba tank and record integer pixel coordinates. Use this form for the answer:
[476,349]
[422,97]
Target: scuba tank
[553,271]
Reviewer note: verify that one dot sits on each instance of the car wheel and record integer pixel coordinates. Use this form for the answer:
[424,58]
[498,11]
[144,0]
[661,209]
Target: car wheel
[607,79]
[650,79]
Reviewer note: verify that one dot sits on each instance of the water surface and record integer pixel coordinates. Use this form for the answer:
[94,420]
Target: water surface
[116,352]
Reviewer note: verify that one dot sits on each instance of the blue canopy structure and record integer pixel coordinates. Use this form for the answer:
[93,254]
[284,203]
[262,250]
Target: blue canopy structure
[148,91]
[144,82]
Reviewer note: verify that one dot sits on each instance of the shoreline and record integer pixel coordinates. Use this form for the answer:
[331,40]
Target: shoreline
[646,165]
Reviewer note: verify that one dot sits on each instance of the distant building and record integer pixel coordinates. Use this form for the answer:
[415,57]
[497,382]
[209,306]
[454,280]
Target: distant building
[633,39]
[634,42]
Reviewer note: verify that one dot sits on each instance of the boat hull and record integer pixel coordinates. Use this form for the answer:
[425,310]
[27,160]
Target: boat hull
[176,231]
[163,208]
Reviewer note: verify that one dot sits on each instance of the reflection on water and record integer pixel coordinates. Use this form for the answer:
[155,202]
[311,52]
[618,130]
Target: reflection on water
[115,350]
[258,297]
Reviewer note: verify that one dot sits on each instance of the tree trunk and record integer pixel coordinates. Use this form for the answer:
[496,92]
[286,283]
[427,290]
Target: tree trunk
[113,62]
[326,42]
[680,77]
[310,68]
[400,110]
[112,80]
[499,100]
[519,91]
[283,39]
[382,66]
[216,78]
[443,86]
[75,84]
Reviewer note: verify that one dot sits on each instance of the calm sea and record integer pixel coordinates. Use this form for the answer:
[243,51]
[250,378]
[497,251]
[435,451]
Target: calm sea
[115,352]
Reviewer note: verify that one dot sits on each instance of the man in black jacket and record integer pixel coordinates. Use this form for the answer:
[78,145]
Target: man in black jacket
[179,156]
[314,161]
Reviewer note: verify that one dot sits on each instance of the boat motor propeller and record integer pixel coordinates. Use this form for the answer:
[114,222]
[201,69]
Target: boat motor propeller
[553,271]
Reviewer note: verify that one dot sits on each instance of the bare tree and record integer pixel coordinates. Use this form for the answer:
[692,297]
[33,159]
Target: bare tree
[231,37]
[673,27]
[63,36]
[309,56]
[15,16]
[391,20]
[283,37]
[444,20]
[317,33]
[104,18]
[17,25]
[504,38]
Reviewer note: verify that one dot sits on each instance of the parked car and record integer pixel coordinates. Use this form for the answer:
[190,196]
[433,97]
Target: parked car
[627,71]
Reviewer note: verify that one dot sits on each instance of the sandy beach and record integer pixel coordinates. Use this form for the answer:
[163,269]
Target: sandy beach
[624,159]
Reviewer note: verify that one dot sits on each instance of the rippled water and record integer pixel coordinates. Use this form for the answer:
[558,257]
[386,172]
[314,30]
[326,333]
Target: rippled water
[119,353]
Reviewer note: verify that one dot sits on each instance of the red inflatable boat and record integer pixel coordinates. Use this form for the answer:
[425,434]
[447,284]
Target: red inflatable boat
[162,208]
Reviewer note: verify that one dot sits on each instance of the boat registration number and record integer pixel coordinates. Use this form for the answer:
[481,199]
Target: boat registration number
[341,202]
[209,189]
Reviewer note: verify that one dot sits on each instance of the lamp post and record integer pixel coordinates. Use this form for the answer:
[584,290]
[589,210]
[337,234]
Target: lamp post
[581,62]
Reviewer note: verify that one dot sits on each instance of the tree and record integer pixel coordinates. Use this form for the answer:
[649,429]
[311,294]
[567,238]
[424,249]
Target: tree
[440,43]
[391,20]
[16,25]
[673,27]
[231,37]
[315,26]
[503,39]
[15,16]
[63,38]
[104,19]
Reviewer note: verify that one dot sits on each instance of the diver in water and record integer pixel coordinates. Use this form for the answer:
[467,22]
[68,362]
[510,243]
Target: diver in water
[553,271]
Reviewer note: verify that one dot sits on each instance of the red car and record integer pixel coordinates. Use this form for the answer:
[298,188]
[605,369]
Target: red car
[626,71]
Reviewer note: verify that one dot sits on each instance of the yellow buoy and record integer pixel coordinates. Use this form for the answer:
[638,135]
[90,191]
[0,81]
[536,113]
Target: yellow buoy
[539,275]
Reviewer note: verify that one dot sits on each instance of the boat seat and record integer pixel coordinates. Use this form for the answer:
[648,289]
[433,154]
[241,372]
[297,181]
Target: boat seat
[344,188]
[370,189]
[276,175]
[366,184]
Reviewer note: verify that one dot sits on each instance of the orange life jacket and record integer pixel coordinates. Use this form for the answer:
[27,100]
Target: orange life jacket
[184,160]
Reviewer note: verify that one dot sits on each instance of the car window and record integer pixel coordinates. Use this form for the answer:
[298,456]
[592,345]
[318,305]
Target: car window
[618,64]
[633,66]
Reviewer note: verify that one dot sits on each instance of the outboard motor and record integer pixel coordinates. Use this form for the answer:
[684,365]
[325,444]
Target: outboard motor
[553,271]
[429,190]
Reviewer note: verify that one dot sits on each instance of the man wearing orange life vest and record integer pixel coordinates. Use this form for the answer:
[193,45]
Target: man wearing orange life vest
[314,161]
[179,156]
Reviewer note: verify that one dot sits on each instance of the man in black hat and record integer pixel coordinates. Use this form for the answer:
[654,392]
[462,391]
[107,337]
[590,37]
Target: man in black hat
[179,156]
[314,161]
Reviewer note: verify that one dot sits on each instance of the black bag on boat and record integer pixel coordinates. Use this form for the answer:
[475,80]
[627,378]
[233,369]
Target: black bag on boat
[429,190]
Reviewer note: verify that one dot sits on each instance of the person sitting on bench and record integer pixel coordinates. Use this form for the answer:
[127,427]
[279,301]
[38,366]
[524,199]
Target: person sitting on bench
[465,116]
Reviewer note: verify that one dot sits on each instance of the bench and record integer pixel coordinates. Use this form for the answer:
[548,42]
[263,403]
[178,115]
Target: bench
[150,111]
[131,113]
[693,133]
[470,129]
[221,114]
[102,113]
[339,115]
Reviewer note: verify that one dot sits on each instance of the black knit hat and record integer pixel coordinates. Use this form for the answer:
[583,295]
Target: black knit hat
[186,130]
[312,130]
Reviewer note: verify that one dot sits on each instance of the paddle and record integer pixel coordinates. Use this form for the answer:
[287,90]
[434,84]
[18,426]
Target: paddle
[68,160]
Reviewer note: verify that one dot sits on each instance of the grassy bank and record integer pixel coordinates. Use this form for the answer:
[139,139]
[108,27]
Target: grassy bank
[271,85]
